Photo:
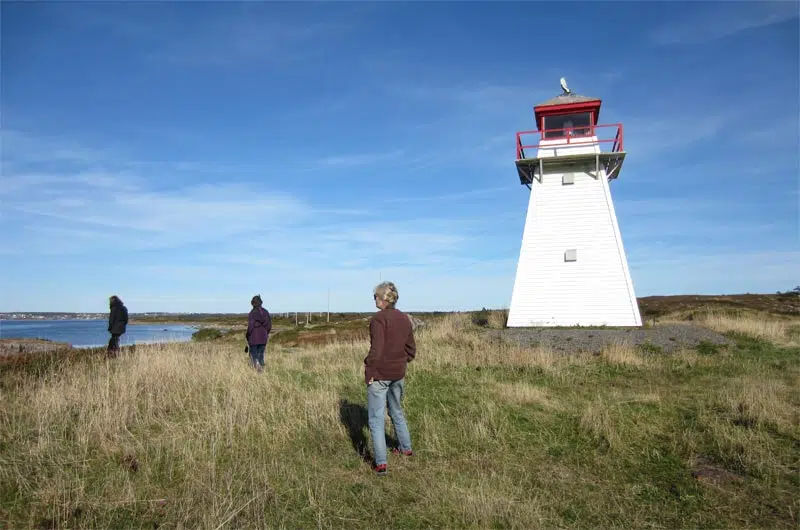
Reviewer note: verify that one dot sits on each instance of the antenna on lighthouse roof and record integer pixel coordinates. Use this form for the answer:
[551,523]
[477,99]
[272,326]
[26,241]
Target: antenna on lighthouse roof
[564,86]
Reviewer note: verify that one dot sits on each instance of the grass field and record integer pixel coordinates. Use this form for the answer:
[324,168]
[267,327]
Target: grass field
[186,436]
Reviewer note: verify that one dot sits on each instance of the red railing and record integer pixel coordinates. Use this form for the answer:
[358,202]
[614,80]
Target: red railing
[606,134]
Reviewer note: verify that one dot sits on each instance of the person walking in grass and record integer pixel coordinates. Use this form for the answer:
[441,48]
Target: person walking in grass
[259,326]
[392,347]
[117,324]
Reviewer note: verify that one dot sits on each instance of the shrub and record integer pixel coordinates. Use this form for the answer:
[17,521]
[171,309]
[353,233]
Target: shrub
[481,318]
[707,348]
[207,334]
[648,347]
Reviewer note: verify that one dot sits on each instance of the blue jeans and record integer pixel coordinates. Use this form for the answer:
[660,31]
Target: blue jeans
[257,354]
[378,394]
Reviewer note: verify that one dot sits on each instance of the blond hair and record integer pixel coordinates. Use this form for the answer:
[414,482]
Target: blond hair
[387,292]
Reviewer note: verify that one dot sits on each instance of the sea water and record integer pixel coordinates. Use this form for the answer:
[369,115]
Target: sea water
[92,333]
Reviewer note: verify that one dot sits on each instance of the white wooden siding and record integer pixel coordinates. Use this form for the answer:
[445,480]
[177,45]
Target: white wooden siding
[596,289]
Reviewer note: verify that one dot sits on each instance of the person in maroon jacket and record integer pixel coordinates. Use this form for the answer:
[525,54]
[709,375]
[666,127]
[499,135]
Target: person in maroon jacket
[259,325]
[392,347]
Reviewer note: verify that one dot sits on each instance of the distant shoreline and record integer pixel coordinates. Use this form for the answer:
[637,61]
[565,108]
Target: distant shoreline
[186,323]
[20,346]
[37,335]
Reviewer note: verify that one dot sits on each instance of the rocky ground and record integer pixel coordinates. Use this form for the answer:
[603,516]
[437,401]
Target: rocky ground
[14,347]
[665,338]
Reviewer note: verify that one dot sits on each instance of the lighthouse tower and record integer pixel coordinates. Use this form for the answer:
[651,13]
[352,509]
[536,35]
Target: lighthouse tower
[572,268]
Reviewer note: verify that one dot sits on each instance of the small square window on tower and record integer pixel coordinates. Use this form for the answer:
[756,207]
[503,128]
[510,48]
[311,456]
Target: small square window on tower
[568,178]
[571,255]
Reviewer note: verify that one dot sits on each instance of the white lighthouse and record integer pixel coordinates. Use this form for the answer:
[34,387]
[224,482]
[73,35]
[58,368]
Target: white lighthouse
[572,268]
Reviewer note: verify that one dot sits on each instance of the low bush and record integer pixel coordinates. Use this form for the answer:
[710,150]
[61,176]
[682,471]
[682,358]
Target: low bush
[206,334]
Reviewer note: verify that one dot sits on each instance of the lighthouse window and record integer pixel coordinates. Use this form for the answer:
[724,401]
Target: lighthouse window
[564,125]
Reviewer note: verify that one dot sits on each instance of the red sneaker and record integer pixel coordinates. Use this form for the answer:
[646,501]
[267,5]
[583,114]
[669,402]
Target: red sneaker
[381,470]
[397,451]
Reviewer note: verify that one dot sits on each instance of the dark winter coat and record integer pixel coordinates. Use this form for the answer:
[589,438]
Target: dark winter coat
[259,325]
[392,346]
[118,318]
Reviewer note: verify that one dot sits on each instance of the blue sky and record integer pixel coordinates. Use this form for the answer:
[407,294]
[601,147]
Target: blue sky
[189,155]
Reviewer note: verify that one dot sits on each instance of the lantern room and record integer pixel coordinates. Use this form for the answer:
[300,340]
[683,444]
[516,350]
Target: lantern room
[568,133]
[567,115]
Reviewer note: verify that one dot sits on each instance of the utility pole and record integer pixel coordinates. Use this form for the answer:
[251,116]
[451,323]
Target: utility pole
[329,305]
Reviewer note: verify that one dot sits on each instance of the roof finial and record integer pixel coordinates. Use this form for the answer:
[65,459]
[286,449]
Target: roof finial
[564,86]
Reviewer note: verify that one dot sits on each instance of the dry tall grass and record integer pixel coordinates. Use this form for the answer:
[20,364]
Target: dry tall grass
[784,331]
[187,435]
[624,353]
[498,319]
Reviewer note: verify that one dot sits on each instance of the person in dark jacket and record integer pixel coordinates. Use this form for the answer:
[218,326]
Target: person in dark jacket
[259,326]
[117,324]
[392,347]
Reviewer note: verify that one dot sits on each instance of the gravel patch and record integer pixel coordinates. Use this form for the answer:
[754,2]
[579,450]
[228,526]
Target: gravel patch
[663,337]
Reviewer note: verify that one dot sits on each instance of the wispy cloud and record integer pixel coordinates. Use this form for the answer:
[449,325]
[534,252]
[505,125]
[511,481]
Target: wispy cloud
[658,229]
[85,211]
[23,151]
[305,288]
[647,137]
[20,147]
[717,20]
[372,242]
[222,35]
[454,196]
[476,96]
[152,217]
[694,272]
[50,184]
[360,159]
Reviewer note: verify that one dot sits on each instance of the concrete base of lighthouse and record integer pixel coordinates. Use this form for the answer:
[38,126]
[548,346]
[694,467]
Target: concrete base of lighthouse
[572,268]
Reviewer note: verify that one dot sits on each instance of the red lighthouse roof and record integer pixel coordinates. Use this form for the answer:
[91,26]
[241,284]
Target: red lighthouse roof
[564,99]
